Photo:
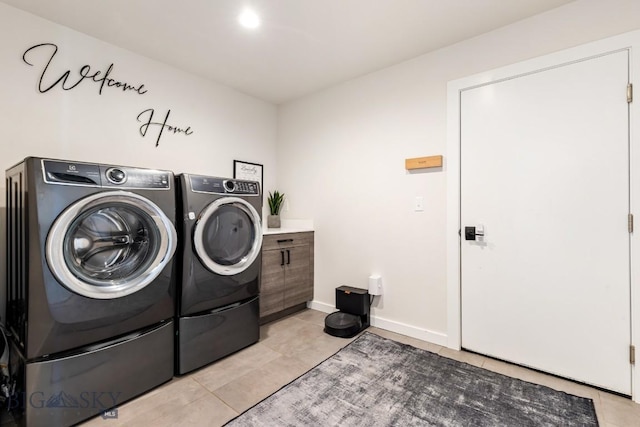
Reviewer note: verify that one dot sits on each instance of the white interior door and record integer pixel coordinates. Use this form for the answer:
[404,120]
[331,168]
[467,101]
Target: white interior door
[545,171]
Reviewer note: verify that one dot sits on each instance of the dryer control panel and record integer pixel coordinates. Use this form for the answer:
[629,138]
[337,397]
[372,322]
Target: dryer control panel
[214,185]
[94,175]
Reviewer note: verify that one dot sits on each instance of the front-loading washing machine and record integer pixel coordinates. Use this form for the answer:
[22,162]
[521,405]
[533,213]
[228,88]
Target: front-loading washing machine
[90,286]
[219,268]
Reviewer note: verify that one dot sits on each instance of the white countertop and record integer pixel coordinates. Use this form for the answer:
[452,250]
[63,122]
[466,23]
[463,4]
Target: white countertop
[290,226]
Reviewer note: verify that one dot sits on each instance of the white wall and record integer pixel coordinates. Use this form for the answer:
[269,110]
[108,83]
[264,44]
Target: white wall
[82,125]
[341,161]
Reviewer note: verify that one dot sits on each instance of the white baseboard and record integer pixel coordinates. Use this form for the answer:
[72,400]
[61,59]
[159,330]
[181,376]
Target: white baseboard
[320,306]
[391,325]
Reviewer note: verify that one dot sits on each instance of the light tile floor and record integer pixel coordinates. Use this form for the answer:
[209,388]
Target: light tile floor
[289,347]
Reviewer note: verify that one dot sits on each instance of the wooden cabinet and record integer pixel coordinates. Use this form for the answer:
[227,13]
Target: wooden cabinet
[287,273]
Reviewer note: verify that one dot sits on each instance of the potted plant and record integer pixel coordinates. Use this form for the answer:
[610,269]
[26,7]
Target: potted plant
[275,205]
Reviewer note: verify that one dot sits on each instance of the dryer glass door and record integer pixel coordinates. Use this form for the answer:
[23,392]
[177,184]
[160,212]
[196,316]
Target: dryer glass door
[228,236]
[110,244]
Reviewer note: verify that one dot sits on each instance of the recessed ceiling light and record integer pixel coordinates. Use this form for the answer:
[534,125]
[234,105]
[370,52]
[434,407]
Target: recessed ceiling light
[249,19]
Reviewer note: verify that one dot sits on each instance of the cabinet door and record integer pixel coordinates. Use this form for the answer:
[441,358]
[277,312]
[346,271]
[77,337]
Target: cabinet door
[298,284]
[272,285]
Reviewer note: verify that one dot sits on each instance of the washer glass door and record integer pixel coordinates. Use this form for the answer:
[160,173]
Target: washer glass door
[110,244]
[228,236]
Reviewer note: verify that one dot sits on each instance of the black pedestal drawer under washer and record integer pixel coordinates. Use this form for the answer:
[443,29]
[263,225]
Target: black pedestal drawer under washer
[90,286]
[219,268]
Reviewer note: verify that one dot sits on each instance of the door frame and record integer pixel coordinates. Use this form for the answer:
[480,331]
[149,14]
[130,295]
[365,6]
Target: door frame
[628,41]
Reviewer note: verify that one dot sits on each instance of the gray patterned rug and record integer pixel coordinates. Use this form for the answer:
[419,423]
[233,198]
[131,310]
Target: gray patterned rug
[378,382]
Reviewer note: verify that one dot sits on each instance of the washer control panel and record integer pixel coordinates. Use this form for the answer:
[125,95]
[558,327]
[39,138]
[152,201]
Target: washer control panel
[116,176]
[208,184]
[94,175]
[125,177]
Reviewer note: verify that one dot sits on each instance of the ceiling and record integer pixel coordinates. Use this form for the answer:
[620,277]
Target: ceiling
[301,46]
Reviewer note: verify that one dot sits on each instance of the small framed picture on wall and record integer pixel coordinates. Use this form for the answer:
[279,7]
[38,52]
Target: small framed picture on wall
[248,171]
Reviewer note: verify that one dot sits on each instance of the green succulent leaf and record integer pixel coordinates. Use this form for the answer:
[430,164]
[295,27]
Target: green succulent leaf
[275,201]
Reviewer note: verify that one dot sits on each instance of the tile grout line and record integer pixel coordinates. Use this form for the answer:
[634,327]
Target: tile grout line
[216,396]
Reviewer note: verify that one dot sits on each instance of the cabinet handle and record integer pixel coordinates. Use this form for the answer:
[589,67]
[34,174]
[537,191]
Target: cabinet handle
[285,240]
[282,255]
[288,257]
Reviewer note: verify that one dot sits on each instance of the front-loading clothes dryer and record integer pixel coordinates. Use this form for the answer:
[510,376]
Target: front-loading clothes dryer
[220,264]
[90,285]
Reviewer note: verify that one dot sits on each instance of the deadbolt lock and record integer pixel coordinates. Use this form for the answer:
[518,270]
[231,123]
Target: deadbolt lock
[470,233]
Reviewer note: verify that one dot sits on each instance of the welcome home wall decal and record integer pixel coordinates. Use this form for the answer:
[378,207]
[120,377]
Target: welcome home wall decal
[161,125]
[85,73]
[68,81]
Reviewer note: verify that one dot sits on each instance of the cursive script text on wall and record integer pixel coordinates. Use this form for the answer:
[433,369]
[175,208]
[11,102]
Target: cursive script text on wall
[146,117]
[67,82]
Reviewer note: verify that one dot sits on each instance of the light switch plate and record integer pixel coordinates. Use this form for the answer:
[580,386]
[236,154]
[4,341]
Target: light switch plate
[418,204]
